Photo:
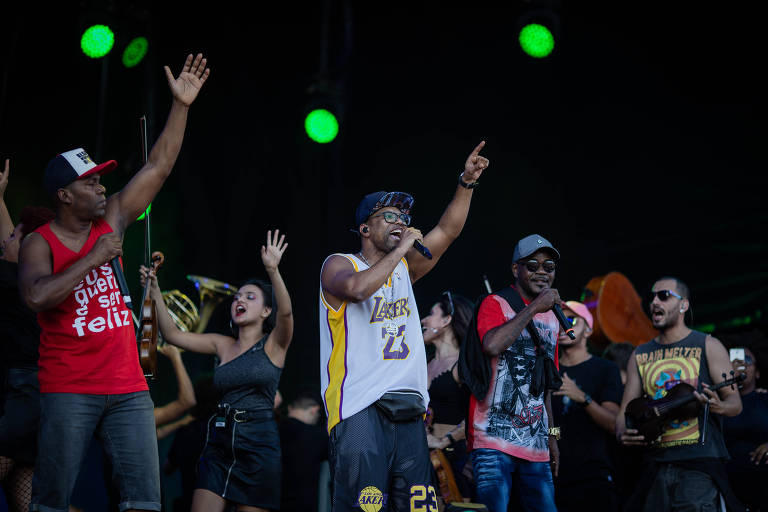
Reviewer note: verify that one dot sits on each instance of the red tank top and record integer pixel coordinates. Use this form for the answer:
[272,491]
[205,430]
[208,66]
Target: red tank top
[88,342]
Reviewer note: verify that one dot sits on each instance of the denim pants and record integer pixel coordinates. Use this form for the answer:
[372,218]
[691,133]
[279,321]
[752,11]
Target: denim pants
[124,424]
[498,475]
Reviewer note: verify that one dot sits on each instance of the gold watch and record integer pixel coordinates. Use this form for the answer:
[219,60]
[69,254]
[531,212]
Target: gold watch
[554,431]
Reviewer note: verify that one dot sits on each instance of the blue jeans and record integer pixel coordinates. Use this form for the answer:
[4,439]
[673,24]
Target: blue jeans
[124,424]
[498,475]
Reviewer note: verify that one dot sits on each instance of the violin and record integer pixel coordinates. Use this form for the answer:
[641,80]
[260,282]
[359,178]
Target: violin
[148,326]
[651,417]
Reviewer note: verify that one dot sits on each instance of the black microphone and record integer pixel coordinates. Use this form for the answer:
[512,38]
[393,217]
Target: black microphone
[423,250]
[564,323]
[118,271]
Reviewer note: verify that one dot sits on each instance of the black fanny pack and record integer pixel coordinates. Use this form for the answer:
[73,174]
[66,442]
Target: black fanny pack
[401,405]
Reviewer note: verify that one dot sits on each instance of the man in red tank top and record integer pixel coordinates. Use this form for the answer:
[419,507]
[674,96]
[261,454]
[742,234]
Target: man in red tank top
[91,382]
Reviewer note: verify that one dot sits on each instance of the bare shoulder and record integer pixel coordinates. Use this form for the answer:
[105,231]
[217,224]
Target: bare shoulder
[334,264]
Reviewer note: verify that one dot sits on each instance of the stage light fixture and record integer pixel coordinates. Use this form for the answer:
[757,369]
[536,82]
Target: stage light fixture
[135,51]
[536,40]
[321,126]
[144,214]
[97,41]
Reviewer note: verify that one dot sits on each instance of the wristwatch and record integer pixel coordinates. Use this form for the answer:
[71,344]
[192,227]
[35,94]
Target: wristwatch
[467,185]
[554,431]
[587,400]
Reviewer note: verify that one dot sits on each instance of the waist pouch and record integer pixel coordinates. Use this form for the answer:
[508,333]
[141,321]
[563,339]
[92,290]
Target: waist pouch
[401,406]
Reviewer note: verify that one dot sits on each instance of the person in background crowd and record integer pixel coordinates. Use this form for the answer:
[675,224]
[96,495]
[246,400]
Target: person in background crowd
[304,445]
[585,409]
[444,328]
[19,337]
[746,437]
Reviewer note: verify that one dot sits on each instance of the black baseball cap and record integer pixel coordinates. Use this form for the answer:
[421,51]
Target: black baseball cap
[70,166]
[381,199]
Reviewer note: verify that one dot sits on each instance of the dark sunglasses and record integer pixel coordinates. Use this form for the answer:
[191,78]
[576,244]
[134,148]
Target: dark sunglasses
[450,301]
[391,217]
[663,295]
[534,265]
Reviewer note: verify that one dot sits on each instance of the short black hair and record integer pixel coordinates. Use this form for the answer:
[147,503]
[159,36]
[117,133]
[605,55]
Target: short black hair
[682,288]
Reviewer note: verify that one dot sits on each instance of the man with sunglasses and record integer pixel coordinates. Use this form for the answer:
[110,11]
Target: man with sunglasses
[510,431]
[687,461]
[373,361]
[585,408]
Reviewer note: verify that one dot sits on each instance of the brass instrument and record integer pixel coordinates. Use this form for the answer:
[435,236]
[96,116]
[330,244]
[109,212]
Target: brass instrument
[212,292]
[182,310]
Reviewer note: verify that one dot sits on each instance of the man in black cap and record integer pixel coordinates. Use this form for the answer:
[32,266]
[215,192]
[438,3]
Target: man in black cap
[510,430]
[373,362]
[91,382]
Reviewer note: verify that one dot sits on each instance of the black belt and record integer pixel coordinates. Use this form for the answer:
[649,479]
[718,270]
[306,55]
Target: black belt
[241,416]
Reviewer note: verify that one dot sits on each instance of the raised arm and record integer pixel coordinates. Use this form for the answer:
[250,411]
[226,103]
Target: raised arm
[280,337]
[40,288]
[124,206]
[452,221]
[6,223]
[203,343]
[185,399]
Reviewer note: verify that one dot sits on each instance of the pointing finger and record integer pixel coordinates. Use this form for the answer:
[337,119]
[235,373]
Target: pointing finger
[478,148]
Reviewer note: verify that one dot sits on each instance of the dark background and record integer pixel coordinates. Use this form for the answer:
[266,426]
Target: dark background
[638,146]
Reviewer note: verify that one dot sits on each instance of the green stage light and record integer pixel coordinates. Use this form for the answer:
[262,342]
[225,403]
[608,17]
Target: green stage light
[97,41]
[536,40]
[135,51]
[321,126]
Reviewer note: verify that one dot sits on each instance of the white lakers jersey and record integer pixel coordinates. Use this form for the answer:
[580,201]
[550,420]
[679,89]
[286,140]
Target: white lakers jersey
[371,347]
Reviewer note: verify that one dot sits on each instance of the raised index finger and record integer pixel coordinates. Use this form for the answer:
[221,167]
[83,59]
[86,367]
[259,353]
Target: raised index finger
[478,148]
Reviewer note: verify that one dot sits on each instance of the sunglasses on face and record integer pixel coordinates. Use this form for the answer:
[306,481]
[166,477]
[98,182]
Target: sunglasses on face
[450,301]
[573,320]
[534,265]
[391,217]
[663,295]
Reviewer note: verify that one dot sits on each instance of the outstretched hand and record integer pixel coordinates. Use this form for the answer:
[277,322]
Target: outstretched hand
[4,178]
[475,164]
[273,251]
[191,79]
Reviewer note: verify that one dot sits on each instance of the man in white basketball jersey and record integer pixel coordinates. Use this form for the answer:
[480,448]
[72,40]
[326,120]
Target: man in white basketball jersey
[373,363]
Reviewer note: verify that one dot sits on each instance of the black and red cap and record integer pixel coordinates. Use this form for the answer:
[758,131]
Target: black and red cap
[70,166]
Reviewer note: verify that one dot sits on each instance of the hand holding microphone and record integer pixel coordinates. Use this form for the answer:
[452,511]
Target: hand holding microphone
[552,301]
[415,235]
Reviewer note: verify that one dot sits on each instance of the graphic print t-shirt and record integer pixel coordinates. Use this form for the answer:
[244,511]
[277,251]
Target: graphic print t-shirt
[509,419]
[88,342]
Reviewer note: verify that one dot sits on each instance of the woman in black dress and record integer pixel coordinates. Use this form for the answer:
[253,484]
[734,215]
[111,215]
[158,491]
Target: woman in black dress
[240,463]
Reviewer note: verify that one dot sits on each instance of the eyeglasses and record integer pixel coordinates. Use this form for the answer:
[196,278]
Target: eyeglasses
[450,301]
[534,265]
[748,360]
[663,295]
[391,217]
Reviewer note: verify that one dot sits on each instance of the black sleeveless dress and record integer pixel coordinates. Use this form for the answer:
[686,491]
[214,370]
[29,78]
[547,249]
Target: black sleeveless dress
[241,458]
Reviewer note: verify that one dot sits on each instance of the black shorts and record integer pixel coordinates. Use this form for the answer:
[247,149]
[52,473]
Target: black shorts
[379,465]
[18,424]
[241,463]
